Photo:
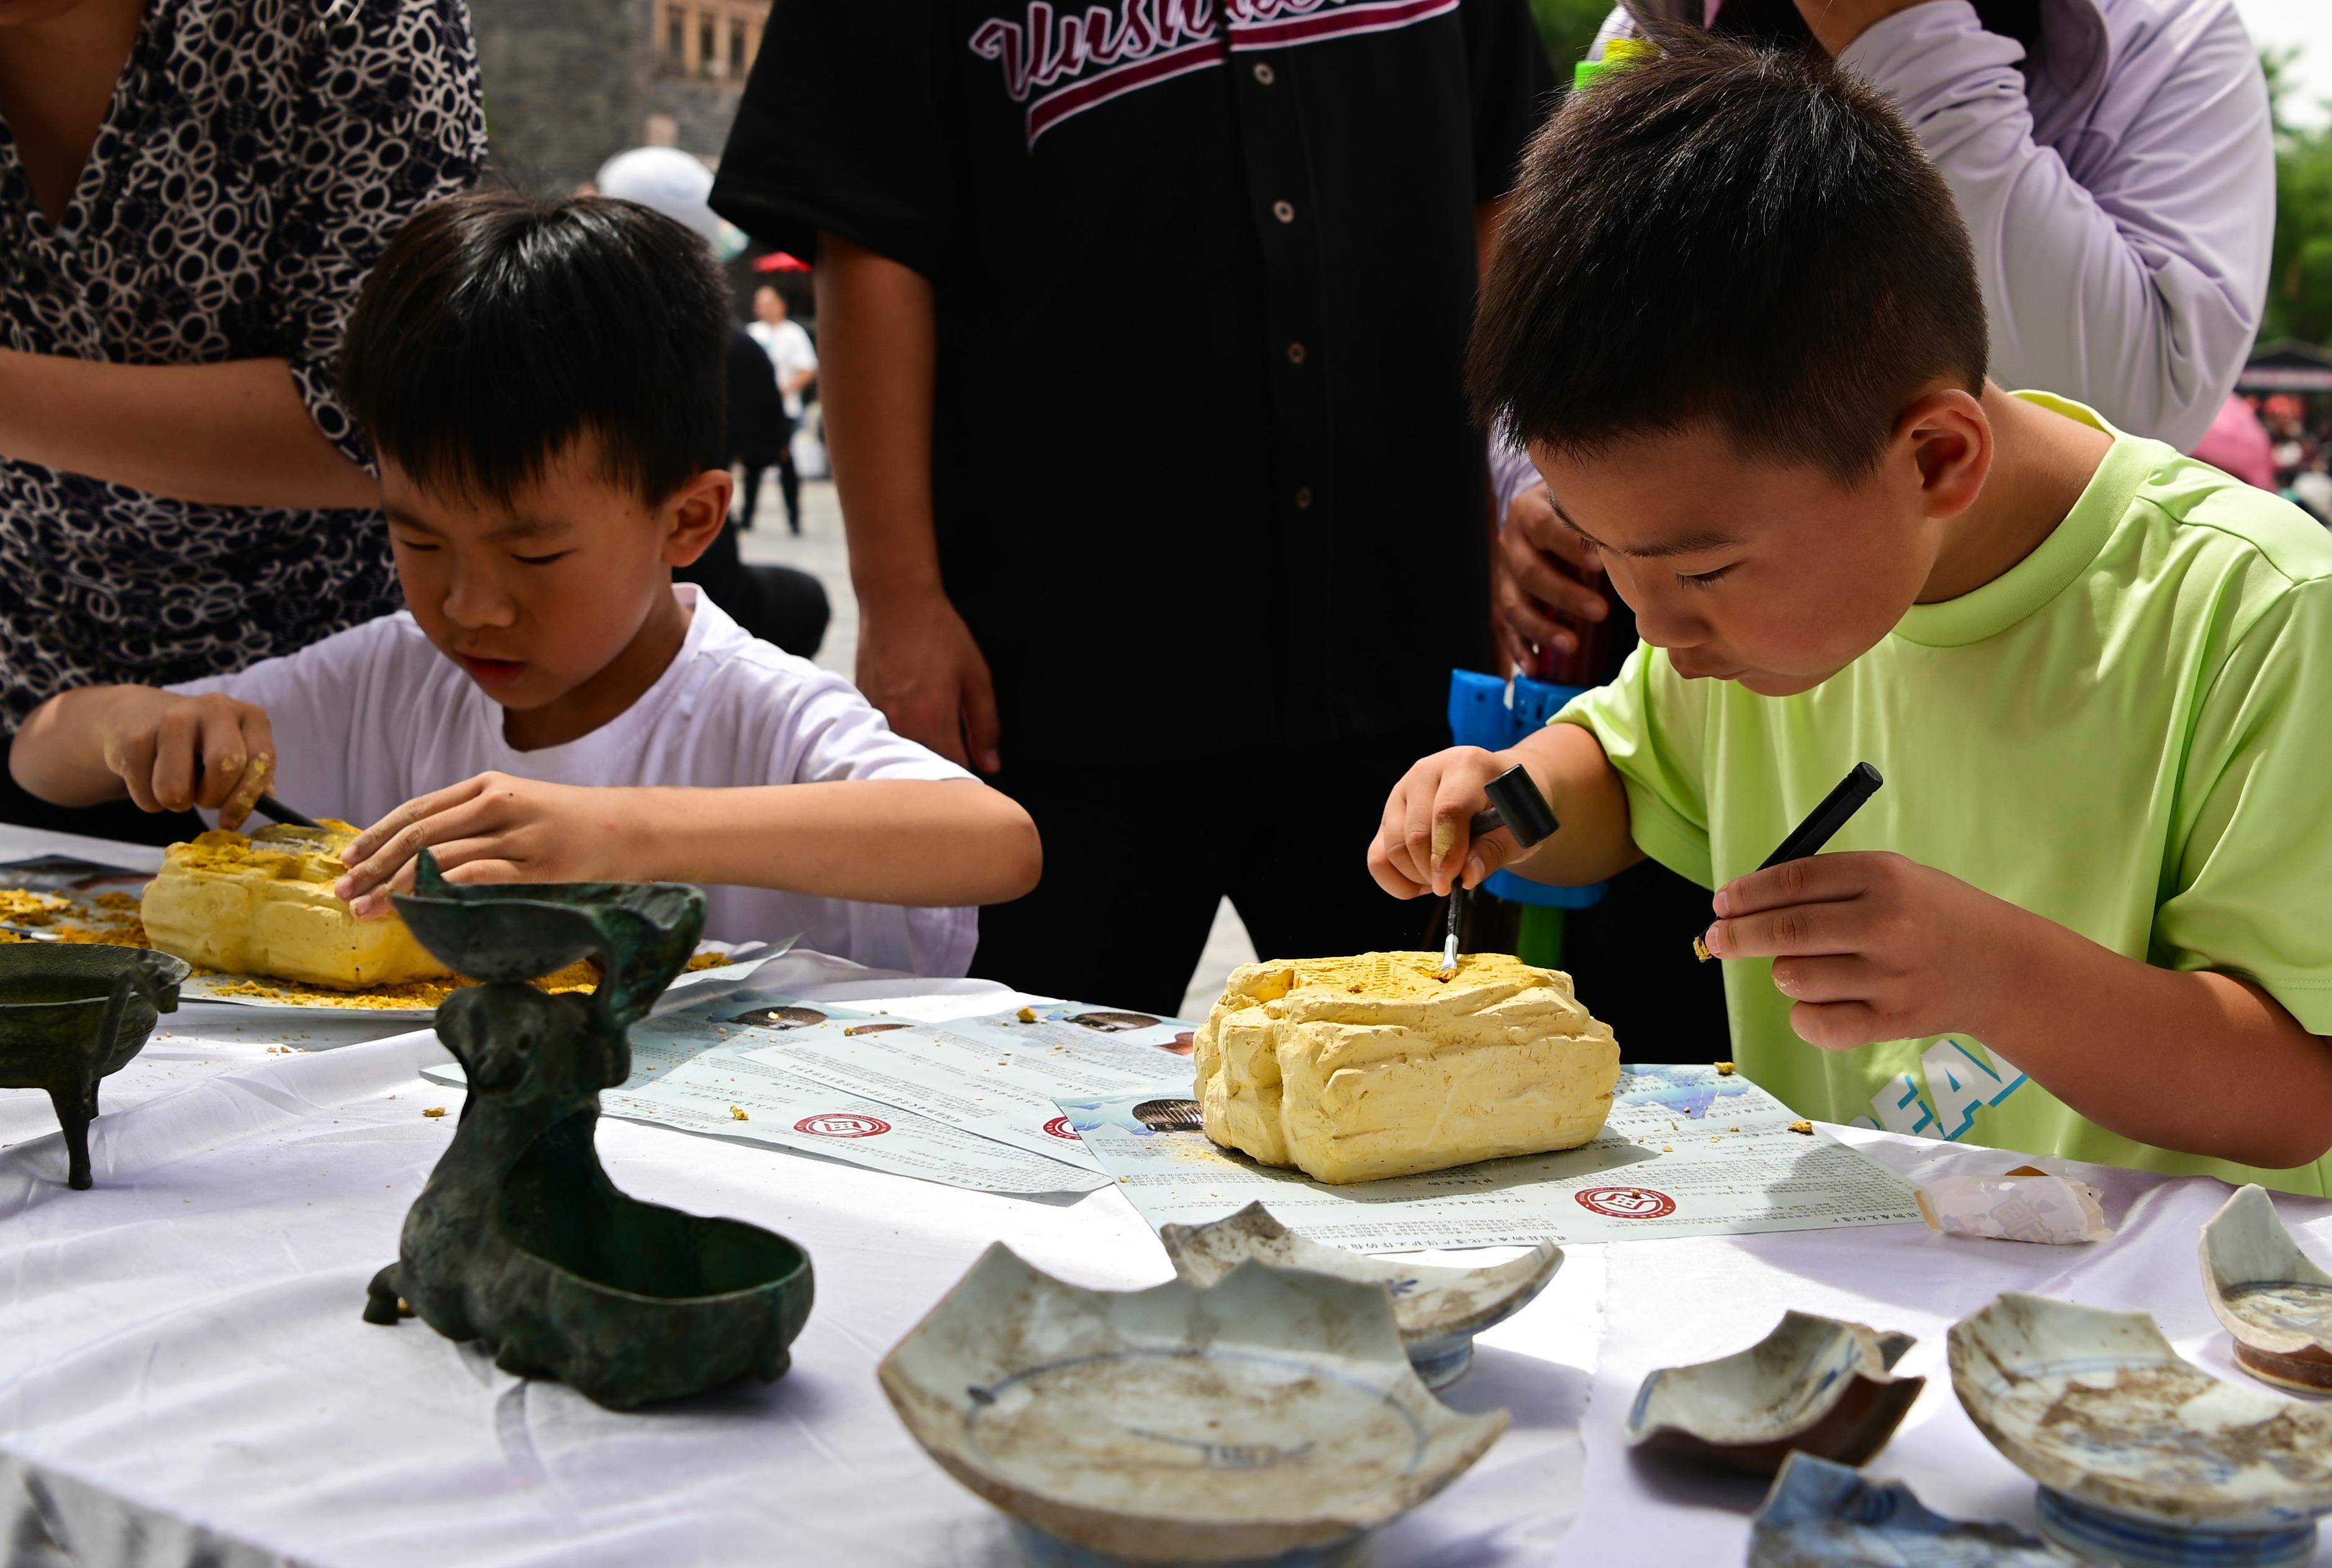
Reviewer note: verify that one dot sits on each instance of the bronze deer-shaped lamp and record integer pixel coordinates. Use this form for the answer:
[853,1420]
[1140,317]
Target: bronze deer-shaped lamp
[519,1239]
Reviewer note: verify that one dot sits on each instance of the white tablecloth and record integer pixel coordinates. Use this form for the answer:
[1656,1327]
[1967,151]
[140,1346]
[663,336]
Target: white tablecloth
[184,1377]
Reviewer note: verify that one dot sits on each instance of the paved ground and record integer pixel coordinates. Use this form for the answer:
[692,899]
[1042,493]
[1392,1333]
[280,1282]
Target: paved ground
[821,552]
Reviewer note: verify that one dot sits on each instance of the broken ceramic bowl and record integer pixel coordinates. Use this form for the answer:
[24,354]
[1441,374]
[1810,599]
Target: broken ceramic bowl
[1273,1419]
[1814,1385]
[1438,1311]
[2274,1299]
[1824,1514]
[2143,1458]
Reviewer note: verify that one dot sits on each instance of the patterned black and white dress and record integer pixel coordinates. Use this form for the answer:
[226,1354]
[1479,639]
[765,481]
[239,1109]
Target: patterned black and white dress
[256,157]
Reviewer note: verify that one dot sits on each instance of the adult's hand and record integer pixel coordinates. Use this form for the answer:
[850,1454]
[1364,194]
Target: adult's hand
[918,662]
[1836,23]
[1530,595]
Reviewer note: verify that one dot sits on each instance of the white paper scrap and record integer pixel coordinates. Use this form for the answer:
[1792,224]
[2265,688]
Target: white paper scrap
[2027,1204]
[1687,1152]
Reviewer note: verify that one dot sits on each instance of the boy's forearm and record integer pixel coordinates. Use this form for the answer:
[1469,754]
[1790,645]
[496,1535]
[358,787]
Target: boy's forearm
[2198,1061]
[59,752]
[1589,800]
[931,843]
[879,365]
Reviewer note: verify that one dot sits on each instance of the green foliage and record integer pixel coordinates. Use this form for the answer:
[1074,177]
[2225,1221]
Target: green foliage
[1568,27]
[2300,278]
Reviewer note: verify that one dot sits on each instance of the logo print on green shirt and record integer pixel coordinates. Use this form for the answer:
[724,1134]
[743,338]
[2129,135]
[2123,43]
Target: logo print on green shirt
[1959,1084]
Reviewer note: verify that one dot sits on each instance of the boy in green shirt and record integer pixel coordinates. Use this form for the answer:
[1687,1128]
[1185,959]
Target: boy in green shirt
[1735,322]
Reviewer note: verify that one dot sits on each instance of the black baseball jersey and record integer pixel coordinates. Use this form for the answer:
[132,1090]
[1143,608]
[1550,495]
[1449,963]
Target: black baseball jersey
[1204,270]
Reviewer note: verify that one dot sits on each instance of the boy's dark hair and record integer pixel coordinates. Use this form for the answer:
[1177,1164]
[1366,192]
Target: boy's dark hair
[1733,236]
[498,328]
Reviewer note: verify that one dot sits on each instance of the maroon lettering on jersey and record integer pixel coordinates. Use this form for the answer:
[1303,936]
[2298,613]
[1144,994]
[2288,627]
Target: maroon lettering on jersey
[1062,62]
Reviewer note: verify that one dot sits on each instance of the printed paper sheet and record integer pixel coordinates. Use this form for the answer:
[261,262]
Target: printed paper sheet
[697,1068]
[998,1076]
[1687,1152]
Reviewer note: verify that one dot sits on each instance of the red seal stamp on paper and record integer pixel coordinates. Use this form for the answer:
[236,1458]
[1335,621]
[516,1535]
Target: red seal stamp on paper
[1059,1128]
[1626,1202]
[839,1125]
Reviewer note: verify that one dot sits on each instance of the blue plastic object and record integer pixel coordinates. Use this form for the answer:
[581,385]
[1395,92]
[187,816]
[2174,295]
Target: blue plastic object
[1479,716]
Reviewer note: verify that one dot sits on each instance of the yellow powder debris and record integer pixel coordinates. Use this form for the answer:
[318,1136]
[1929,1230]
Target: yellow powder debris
[738,1112]
[112,920]
[23,906]
[433,1111]
[1027,1015]
[576,977]
[1726,1070]
[1354,1069]
[1805,1127]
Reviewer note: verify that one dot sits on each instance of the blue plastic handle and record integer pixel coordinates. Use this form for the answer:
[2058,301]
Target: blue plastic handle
[1479,716]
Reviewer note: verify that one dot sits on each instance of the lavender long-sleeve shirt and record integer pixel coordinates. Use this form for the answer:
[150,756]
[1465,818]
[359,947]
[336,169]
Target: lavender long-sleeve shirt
[2119,183]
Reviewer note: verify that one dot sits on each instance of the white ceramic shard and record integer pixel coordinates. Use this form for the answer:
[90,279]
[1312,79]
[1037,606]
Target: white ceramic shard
[1813,1385]
[2143,1458]
[1437,1310]
[1824,1514]
[1273,1417]
[2274,1299]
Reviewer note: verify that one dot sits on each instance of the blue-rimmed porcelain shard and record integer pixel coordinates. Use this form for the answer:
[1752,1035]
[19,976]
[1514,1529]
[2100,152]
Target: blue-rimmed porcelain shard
[1814,1385]
[2274,1299]
[1437,1310]
[1273,1419]
[1824,1514]
[2143,1458]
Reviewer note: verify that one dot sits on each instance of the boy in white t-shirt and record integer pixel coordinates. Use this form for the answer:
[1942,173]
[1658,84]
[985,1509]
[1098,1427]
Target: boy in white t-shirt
[543,381]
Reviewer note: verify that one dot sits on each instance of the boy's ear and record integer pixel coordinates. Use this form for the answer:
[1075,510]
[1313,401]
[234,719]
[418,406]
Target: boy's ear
[695,514]
[1948,440]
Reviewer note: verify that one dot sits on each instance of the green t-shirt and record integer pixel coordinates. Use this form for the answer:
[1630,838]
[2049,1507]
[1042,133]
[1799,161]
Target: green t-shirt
[2129,733]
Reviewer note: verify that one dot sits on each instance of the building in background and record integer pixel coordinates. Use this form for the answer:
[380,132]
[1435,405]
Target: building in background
[569,84]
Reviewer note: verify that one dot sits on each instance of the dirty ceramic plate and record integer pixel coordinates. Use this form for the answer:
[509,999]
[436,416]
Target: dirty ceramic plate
[2273,1298]
[1824,1514]
[1814,1385]
[1272,1418]
[2143,1458]
[1437,1310]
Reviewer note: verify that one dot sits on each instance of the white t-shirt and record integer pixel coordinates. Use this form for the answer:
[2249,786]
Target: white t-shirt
[789,350]
[368,719]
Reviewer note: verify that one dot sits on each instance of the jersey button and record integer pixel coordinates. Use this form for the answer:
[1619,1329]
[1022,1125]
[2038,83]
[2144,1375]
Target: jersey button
[1284,211]
[1303,498]
[1296,353]
[1263,74]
